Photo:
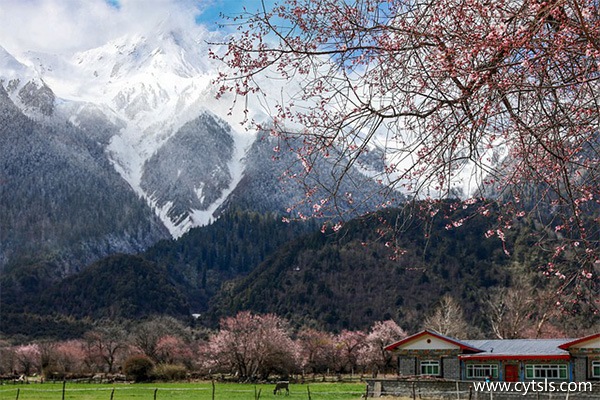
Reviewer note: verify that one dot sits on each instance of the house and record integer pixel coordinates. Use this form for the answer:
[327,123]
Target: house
[431,354]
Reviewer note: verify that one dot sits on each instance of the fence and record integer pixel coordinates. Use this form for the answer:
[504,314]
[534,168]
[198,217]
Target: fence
[183,391]
[465,390]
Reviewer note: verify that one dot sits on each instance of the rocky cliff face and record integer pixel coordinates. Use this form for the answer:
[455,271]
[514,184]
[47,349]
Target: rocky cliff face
[272,181]
[190,172]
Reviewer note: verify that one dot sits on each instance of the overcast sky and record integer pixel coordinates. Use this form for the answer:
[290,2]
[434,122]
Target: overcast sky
[63,26]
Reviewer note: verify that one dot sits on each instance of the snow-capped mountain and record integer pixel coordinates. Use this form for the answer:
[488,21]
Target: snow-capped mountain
[149,89]
[24,86]
[138,115]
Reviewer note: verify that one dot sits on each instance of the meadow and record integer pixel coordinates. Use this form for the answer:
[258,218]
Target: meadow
[178,391]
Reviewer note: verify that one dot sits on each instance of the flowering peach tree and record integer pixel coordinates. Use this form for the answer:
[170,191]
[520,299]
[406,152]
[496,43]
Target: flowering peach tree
[252,346]
[464,100]
[373,356]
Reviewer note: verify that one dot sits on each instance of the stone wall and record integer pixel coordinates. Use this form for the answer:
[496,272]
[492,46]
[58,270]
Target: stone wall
[407,366]
[463,390]
[451,368]
[580,368]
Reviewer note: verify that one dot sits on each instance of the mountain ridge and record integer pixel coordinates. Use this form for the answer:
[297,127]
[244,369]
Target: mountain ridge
[159,133]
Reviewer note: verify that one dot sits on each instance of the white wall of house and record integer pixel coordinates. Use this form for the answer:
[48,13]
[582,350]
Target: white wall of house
[428,342]
[590,344]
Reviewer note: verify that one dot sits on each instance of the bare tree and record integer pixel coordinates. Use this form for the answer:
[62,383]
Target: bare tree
[448,319]
[8,360]
[103,346]
[510,311]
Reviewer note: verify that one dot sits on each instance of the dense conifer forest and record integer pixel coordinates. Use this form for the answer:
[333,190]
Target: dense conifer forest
[382,266]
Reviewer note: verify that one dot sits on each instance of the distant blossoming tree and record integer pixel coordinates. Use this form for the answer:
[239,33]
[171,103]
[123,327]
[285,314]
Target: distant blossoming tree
[28,358]
[252,346]
[147,336]
[70,356]
[464,98]
[318,351]
[174,350]
[373,355]
[350,344]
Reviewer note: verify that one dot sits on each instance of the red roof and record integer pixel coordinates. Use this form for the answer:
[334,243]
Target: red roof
[567,345]
[463,346]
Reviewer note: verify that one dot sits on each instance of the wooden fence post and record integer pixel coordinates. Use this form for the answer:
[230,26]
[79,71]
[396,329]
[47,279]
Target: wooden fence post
[213,389]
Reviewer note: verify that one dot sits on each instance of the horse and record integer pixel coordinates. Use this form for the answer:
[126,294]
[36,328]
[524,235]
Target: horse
[281,385]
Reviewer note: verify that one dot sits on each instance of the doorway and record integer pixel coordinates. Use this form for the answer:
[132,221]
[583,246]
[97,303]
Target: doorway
[511,373]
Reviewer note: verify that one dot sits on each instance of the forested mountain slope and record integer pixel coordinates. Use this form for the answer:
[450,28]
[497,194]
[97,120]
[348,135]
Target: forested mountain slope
[249,261]
[347,279]
[61,201]
[174,277]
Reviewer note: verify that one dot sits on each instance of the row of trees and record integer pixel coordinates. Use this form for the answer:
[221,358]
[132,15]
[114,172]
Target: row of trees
[510,313]
[255,346]
[247,346]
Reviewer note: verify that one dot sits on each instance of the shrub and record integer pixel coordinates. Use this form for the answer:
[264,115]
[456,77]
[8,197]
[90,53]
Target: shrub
[170,372]
[138,368]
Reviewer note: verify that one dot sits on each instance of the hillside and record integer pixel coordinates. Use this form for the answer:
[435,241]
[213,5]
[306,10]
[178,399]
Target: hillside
[348,279]
[174,277]
[118,287]
[249,261]
[202,260]
[60,199]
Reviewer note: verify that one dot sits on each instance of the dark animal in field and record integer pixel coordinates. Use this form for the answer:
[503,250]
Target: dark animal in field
[282,385]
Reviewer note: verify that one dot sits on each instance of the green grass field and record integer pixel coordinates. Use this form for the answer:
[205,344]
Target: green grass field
[178,391]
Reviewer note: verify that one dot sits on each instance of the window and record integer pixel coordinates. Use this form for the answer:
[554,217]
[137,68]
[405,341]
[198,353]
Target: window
[482,370]
[430,367]
[550,371]
[596,369]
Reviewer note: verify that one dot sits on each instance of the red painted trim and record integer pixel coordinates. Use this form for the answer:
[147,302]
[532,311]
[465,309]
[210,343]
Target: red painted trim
[566,346]
[435,334]
[491,356]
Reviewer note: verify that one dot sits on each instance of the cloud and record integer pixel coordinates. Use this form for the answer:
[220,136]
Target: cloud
[66,26]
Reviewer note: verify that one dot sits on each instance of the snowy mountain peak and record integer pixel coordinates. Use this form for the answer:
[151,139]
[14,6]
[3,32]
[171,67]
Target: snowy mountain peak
[24,86]
[10,66]
[155,94]
[162,55]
